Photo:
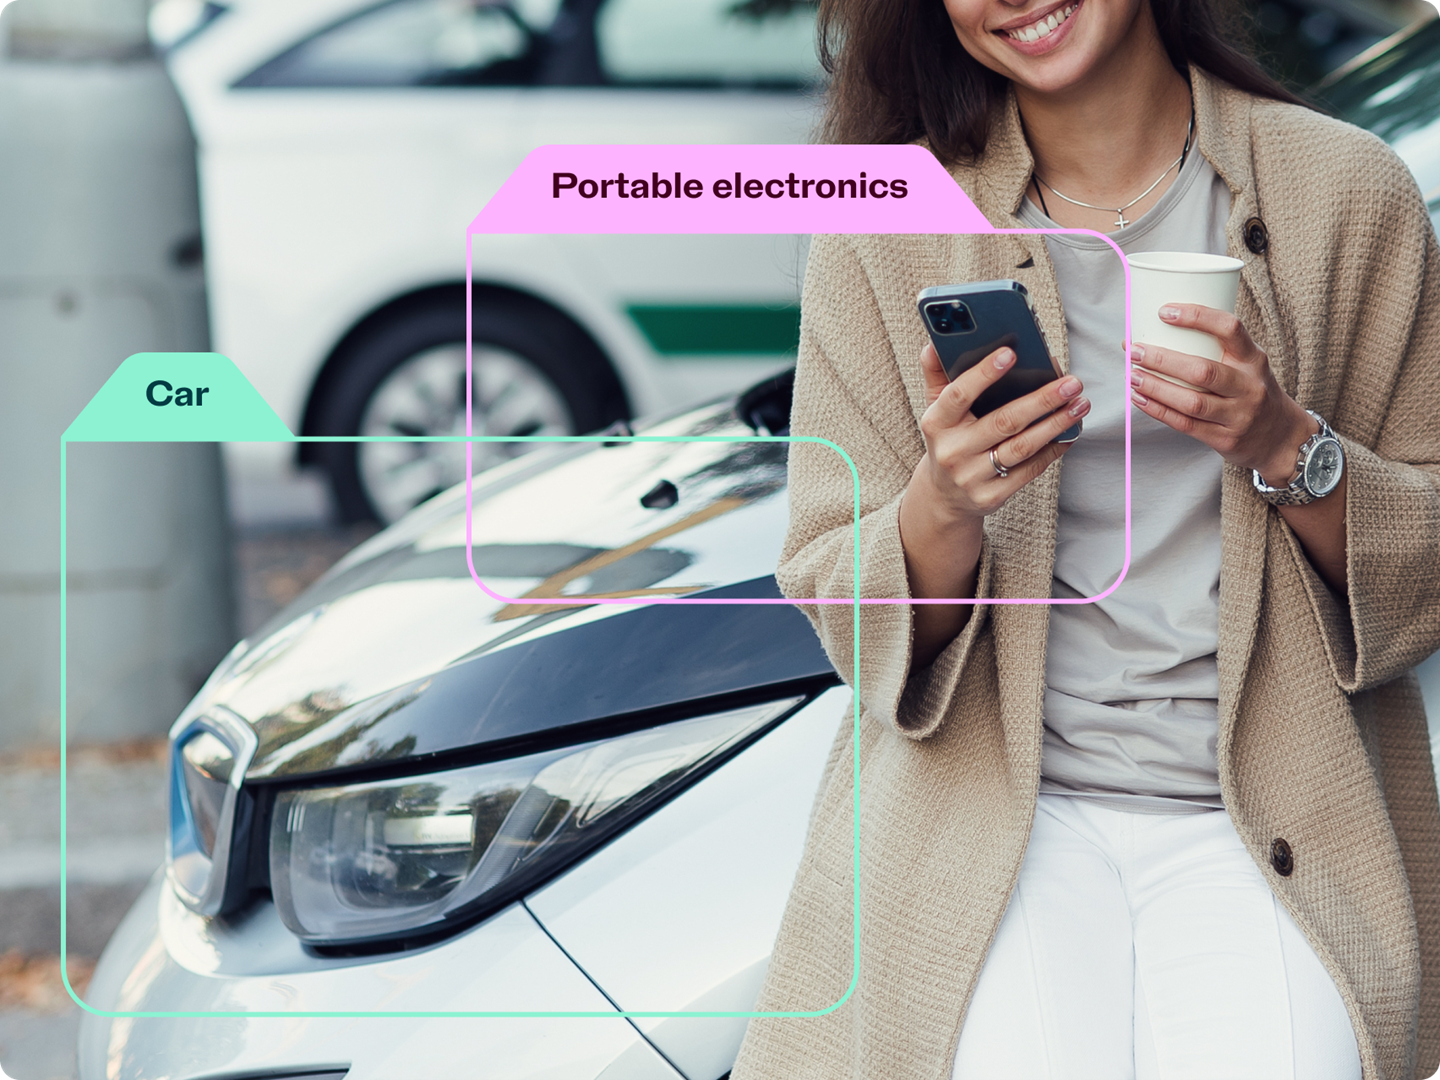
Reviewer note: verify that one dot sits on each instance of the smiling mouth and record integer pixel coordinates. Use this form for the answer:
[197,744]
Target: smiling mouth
[1042,28]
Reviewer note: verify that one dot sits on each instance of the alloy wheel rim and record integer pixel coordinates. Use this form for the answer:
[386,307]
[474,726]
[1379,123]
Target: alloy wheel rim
[425,395]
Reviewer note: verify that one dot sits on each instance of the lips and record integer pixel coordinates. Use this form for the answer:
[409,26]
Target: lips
[1038,30]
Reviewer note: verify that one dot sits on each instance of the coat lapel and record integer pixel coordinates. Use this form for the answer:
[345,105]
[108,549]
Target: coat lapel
[1224,137]
[1023,532]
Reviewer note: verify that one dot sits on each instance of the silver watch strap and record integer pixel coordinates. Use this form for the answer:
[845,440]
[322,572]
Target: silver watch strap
[1295,493]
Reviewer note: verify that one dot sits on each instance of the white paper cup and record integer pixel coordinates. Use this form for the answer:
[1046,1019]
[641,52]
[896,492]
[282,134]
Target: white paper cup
[1158,278]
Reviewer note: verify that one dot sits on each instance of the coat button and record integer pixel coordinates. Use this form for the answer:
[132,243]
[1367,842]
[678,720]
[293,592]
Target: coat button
[1282,858]
[1257,238]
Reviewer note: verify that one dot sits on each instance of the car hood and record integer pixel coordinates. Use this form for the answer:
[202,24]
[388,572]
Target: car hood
[398,653]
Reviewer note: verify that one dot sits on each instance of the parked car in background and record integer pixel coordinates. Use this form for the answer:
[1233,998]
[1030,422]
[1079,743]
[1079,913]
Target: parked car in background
[345,145]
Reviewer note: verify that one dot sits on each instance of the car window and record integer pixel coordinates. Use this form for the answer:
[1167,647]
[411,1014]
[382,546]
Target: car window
[708,42]
[417,43]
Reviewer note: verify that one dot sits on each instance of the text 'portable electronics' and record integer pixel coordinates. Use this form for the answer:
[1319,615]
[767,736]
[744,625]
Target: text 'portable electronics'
[969,322]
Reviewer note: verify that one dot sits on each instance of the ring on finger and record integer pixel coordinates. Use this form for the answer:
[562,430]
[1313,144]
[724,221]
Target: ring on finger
[1000,470]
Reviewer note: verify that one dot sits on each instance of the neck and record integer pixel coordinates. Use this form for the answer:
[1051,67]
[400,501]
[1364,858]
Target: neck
[1107,137]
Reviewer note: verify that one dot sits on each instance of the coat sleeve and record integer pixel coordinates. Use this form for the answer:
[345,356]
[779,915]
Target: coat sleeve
[850,389]
[1389,620]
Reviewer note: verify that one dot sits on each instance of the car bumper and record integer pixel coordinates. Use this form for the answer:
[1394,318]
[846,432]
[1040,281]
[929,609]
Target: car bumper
[507,964]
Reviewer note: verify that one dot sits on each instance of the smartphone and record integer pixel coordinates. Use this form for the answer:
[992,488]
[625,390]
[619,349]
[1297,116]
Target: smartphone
[969,322]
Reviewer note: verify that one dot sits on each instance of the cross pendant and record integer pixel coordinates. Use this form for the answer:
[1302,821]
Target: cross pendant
[1120,222]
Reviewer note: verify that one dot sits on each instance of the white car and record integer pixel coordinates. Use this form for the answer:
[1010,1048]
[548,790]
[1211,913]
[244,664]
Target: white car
[406,796]
[345,145]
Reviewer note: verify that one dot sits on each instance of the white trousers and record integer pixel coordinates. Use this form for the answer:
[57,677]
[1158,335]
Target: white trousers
[1149,947]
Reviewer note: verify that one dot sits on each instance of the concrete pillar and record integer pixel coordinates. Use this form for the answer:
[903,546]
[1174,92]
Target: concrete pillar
[99,258]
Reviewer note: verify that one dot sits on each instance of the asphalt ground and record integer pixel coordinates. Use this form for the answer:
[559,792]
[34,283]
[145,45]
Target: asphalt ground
[116,828]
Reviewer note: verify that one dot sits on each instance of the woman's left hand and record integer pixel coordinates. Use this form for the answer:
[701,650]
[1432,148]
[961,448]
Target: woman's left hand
[1237,408]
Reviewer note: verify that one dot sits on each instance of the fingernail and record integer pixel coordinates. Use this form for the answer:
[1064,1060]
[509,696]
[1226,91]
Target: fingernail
[1169,314]
[1137,399]
[1136,378]
[1080,408]
[1004,358]
[1137,353]
[1069,387]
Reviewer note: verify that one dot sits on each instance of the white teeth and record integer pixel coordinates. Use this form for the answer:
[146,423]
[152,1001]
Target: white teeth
[1045,27]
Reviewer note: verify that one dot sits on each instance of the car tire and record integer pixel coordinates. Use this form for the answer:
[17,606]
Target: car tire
[536,373]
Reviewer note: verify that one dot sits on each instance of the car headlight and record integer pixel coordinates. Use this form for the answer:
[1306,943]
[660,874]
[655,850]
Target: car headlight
[405,857]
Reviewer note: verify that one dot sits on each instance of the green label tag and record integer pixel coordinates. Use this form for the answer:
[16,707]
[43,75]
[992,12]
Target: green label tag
[177,397]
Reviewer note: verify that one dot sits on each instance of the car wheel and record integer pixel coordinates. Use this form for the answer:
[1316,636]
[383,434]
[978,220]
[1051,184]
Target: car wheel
[535,373]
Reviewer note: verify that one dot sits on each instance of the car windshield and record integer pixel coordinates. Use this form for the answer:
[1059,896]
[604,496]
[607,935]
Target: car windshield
[696,43]
[762,44]
[417,42]
[1396,94]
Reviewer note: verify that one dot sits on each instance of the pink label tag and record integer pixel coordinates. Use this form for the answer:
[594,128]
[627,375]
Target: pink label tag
[730,189]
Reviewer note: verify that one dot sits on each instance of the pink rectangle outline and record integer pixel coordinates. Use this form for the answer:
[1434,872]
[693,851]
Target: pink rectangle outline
[578,601]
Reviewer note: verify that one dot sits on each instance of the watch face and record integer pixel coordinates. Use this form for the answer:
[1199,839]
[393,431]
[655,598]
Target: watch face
[1322,468]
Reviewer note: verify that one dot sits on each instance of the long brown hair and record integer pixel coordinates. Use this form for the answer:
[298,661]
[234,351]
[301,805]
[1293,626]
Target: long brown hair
[899,74]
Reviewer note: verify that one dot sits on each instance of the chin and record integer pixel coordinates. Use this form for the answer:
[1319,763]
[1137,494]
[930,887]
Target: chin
[1054,74]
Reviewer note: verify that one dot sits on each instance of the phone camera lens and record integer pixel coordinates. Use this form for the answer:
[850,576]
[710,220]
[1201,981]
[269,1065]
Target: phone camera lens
[951,317]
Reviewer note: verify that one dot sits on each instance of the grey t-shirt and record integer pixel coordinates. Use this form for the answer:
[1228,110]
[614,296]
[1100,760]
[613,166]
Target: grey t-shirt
[1131,684]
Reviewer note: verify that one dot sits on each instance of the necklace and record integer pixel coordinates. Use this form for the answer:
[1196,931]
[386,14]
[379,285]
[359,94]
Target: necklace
[1121,221]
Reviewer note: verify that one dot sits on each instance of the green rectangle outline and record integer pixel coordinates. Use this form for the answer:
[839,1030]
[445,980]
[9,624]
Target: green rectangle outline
[613,1014]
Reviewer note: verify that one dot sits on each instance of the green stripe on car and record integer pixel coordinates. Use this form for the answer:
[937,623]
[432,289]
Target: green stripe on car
[696,329]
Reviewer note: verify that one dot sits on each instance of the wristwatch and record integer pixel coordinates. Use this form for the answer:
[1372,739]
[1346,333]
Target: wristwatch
[1318,470]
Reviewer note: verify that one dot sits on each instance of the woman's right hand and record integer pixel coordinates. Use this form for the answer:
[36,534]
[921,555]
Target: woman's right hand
[957,470]
[955,485]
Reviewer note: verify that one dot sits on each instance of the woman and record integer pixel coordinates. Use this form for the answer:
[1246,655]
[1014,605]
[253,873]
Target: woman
[1190,830]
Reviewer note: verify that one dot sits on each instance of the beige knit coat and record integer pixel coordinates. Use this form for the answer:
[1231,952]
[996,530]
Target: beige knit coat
[1322,734]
